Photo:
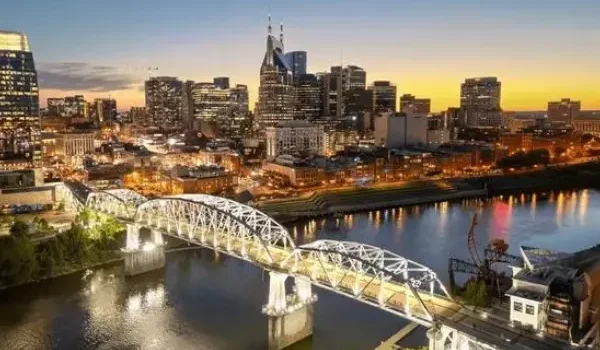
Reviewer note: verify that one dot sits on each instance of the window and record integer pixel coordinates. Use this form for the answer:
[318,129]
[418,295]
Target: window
[518,307]
[529,309]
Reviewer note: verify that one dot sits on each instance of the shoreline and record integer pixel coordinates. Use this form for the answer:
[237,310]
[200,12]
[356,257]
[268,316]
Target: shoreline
[65,273]
[326,203]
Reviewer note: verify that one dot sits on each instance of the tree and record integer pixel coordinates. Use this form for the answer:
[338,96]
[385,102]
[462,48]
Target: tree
[6,220]
[481,297]
[61,206]
[19,229]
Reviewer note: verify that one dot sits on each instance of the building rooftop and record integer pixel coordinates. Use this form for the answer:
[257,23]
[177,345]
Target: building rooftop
[13,41]
[526,294]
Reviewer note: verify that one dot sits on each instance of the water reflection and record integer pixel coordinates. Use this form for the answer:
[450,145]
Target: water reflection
[207,300]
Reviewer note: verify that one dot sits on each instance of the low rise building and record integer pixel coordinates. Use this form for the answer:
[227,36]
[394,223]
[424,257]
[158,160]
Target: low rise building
[399,130]
[202,179]
[556,293]
[295,136]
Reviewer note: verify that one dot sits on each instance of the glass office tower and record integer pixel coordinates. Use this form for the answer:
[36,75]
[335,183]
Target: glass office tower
[20,144]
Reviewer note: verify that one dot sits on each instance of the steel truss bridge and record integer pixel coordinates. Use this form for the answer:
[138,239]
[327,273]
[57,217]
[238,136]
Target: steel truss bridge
[362,272]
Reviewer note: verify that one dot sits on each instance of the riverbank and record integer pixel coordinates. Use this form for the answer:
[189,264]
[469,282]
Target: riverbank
[341,201]
[328,202]
[105,263]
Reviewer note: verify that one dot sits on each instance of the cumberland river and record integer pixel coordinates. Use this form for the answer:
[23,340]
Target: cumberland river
[207,301]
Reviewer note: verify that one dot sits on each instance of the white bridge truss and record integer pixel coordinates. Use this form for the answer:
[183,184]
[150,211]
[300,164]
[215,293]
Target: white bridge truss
[120,202]
[370,274]
[365,273]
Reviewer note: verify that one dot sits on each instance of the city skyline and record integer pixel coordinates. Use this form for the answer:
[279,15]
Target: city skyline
[424,50]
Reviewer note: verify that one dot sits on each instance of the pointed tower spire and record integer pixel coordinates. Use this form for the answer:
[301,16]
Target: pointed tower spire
[281,31]
[269,22]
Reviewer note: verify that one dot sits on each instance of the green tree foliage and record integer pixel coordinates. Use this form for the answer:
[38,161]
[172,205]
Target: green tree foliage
[23,260]
[476,293]
[525,159]
[19,229]
[6,220]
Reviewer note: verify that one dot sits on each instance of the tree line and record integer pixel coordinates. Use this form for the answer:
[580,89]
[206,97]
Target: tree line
[34,251]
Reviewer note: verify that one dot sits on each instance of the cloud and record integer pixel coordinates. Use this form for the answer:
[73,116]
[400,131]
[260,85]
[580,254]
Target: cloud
[81,76]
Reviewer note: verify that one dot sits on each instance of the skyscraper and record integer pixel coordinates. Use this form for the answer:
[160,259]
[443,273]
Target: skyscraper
[307,97]
[163,101]
[216,111]
[20,141]
[221,82]
[353,77]
[77,106]
[384,96]
[296,60]
[480,101]
[564,110]
[409,103]
[276,92]
[104,110]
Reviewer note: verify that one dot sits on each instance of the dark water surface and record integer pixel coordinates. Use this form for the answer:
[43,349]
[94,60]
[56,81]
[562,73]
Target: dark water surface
[207,301]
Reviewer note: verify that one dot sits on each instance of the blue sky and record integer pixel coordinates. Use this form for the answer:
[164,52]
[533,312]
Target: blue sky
[540,50]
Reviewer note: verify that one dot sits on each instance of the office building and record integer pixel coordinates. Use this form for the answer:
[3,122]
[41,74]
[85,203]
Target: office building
[76,106]
[276,92]
[55,106]
[564,110]
[398,130]
[296,60]
[384,96]
[587,126]
[187,105]
[412,104]
[138,116]
[73,146]
[353,77]
[20,138]
[331,94]
[104,110]
[307,97]
[163,101]
[480,102]
[215,111]
[221,82]
[296,136]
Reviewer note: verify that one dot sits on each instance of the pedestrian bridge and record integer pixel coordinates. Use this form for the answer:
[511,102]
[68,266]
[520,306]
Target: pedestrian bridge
[368,274]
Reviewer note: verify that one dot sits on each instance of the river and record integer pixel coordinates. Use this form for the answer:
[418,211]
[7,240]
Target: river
[206,301]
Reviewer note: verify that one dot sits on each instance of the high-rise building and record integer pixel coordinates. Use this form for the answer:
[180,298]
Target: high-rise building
[163,101]
[296,60]
[55,106]
[412,104]
[221,82]
[276,92]
[353,77]
[564,110]
[240,114]
[384,96]
[104,110]
[187,105]
[76,106]
[480,102]
[307,97]
[331,94]
[216,111]
[295,136]
[138,116]
[20,140]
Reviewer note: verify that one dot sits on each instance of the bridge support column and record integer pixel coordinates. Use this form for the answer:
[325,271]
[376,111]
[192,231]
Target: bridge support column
[147,257]
[290,316]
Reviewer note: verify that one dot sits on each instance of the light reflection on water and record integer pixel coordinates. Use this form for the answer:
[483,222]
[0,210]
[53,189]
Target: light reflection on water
[210,301]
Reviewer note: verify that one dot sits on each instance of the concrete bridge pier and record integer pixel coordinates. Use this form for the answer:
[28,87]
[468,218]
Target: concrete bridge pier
[141,258]
[290,315]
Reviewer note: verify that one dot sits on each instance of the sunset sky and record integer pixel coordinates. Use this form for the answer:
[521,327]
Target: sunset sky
[541,50]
